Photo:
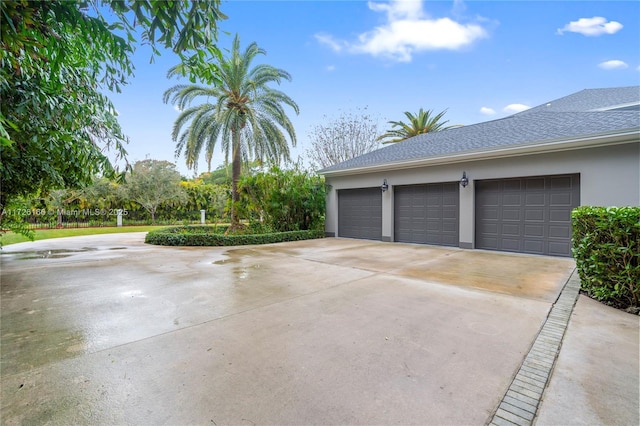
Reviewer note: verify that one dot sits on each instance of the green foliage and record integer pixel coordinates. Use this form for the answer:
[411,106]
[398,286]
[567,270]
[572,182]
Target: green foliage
[152,183]
[204,196]
[13,218]
[606,246]
[57,58]
[285,200]
[98,203]
[222,174]
[422,122]
[240,110]
[215,236]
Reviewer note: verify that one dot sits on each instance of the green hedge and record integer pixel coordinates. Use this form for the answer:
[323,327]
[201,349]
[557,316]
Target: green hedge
[214,236]
[606,247]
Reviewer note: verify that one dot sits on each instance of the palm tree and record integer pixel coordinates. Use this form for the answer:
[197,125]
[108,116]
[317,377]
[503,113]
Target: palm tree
[423,122]
[240,110]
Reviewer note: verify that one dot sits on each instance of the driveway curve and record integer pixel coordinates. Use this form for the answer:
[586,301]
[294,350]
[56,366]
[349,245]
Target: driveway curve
[107,330]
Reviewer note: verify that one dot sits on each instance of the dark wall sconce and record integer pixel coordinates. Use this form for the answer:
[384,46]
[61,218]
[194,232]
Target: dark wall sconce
[384,186]
[464,181]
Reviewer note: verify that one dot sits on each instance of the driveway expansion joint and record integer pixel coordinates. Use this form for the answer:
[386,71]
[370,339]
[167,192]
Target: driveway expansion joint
[520,403]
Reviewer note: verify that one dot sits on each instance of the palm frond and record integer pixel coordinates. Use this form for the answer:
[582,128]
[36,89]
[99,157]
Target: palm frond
[422,122]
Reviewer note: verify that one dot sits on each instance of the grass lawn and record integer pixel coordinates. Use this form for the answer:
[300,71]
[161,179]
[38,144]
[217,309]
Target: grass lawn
[44,234]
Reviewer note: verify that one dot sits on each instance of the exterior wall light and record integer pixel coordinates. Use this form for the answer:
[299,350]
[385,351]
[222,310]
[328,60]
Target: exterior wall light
[464,181]
[384,186]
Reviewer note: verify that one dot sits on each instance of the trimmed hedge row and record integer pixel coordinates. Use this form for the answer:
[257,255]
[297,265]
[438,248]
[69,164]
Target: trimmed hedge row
[606,247]
[214,236]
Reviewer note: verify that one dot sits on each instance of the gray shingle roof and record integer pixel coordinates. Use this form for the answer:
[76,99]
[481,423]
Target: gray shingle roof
[525,128]
[591,100]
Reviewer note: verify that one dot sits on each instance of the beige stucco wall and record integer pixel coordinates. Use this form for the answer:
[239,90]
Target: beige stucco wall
[609,176]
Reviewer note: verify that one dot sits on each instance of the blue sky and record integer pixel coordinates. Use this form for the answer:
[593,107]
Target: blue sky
[481,60]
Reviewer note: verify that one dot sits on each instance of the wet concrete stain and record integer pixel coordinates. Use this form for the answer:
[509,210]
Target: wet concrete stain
[45,254]
[62,312]
[525,276]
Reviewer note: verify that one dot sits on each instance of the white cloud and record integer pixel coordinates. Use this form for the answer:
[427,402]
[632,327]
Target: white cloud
[487,111]
[331,68]
[408,30]
[329,40]
[458,7]
[177,108]
[513,108]
[614,64]
[591,26]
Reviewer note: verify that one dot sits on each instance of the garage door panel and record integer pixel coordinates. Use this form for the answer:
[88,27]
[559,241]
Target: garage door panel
[535,199]
[491,213]
[534,214]
[512,200]
[487,229]
[510,229]
[360,213]
[533,246]
[534,231]
[512,185]
[511,244]
[450,213]
[510,214]
[559,248]
[450,227]
[562,182]
[535,220]
[432,216]
[533,184]
[561,199]
[563,215]
[450,200]
[559,232]
[433,225]
[491,199]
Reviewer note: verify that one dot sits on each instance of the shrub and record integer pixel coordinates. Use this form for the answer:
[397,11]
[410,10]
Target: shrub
[284,200]
[214,236]
[606,247]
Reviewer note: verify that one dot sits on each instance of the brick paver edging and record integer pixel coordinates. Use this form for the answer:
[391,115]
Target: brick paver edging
[520,403]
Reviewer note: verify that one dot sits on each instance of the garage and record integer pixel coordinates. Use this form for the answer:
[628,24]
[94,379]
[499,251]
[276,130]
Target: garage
[360,213]
[427,214]
[527,215]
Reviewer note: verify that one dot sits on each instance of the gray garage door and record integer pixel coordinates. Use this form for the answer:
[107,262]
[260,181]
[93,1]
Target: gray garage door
[360,213]
[527,215]
[427,214]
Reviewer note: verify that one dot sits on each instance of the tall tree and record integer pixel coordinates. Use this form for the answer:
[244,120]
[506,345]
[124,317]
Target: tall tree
[348,136]
[240,110]
[422,122]
[152,183]
[58,58]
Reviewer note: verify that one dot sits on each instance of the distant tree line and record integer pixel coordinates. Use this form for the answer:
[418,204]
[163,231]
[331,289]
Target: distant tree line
[153,192]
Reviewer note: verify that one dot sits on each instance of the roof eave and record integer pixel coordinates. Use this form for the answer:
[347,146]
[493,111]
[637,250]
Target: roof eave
[553,145]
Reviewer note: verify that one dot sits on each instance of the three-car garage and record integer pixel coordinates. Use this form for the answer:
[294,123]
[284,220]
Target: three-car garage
[524,215]
[508,184]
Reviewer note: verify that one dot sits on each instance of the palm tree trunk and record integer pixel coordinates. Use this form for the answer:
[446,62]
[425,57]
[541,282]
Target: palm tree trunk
[236,164]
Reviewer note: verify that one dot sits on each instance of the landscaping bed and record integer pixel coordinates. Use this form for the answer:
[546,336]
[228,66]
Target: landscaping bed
[204,235]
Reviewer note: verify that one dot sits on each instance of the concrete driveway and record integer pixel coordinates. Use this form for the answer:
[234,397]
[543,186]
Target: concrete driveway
[107,330]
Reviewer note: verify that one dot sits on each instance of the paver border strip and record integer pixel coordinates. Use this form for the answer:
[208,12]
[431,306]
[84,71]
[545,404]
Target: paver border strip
[520,404]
